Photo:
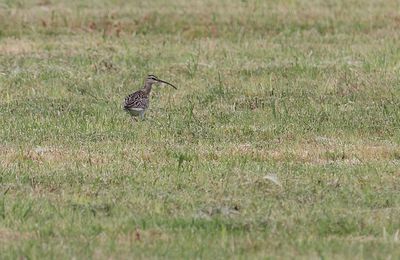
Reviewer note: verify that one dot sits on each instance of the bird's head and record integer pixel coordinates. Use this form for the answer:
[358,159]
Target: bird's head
[151,79]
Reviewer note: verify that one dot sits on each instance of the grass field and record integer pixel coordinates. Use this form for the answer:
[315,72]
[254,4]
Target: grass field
[281,141]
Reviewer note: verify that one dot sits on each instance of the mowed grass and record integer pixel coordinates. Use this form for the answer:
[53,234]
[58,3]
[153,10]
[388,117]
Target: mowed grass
[281,141]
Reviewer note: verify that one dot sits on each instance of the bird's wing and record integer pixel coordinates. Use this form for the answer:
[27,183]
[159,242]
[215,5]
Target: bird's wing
[136,100]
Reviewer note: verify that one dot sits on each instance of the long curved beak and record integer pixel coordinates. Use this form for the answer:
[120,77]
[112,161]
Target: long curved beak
[162,81]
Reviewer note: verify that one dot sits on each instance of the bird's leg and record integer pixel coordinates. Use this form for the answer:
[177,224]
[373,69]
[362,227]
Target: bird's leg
[142,116]
[133,120]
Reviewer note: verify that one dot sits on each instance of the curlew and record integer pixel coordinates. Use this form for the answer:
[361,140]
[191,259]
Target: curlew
[137,103]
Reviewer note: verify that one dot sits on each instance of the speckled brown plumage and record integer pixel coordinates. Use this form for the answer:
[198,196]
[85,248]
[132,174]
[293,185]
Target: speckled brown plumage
[137,103]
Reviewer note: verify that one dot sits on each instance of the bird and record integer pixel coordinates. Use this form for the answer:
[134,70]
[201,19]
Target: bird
[137,103]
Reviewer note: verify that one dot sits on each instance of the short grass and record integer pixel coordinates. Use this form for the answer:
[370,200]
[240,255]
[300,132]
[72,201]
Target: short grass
[281,141]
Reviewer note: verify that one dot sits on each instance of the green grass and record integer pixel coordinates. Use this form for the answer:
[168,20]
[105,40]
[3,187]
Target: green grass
[306,91]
